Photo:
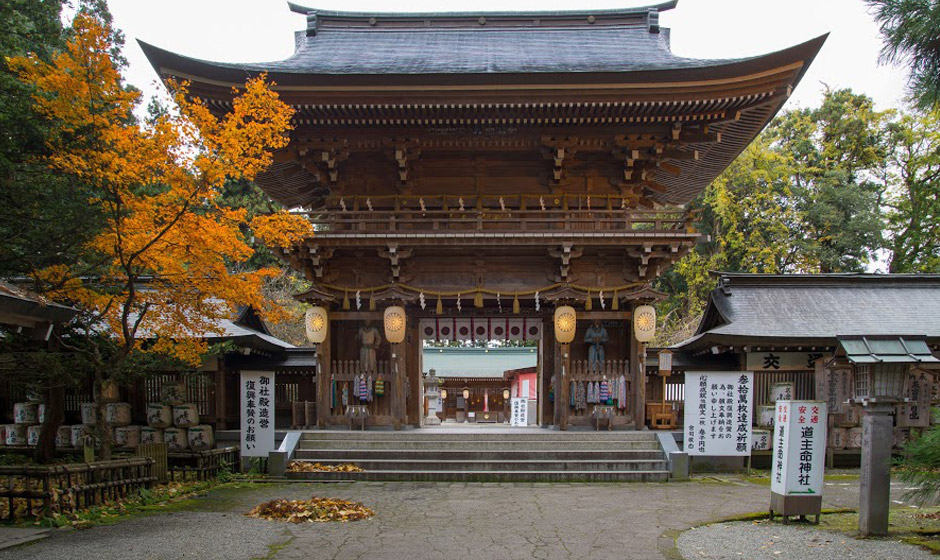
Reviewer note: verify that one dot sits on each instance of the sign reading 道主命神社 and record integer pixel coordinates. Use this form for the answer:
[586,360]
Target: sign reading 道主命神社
[718,412]
[257,399]
[799,446]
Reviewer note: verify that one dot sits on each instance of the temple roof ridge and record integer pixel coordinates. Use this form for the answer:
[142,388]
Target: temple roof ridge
[632,11]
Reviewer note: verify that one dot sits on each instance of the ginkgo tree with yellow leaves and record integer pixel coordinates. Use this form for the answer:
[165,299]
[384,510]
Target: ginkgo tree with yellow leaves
[159,272]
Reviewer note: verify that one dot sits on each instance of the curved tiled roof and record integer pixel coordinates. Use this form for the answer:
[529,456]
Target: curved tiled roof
[819,307]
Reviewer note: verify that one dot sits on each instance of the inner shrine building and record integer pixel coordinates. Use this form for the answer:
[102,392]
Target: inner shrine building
[468,174]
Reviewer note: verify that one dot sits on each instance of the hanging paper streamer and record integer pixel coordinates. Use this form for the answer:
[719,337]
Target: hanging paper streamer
[421,202]
[369,203]
[542,203]
[499,303]
[458,303]
[502,204]
[358,300]
[421,300]
[600,298]
[537,303]
[460,201]
[342,204]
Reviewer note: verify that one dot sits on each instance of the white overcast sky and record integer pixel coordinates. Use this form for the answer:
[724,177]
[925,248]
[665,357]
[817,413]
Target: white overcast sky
[262,30]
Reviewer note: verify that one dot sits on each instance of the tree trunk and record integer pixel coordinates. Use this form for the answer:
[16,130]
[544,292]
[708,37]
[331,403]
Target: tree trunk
[54,416]
[101,426]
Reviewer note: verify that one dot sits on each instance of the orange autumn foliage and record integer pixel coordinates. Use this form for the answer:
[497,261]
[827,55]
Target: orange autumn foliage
[159,185]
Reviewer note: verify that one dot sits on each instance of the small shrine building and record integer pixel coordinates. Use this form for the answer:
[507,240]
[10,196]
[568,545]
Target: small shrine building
[473,172]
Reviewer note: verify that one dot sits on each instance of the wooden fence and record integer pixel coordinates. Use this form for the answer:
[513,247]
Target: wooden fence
[202,465]
[68,488]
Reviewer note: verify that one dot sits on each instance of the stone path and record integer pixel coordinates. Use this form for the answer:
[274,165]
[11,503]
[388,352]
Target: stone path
[417,521]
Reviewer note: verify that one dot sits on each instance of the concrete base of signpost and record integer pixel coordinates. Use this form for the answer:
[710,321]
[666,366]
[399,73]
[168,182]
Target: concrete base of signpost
[795,505]
[875,484]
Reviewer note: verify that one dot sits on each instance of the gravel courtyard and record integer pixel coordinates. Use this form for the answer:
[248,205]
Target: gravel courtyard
[417,521]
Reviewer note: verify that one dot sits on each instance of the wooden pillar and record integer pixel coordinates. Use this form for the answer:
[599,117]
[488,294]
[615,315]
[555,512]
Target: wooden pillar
[398,363]
[637,351]
[563,375]
[415,374]
[323,378]
[220,400]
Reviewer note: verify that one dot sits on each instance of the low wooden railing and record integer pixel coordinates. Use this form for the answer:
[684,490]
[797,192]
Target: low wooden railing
[68,488]
[497,221]
[202,465]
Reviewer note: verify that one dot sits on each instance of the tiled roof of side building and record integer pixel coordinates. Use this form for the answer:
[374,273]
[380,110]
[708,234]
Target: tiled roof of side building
[819,307]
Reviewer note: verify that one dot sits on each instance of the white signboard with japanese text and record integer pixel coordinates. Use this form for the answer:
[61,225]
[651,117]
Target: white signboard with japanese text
[799,448]
[718,412]
[520,412]
[782,361]
[257,412]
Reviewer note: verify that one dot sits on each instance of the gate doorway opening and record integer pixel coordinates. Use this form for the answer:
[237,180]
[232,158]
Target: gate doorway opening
[484,381]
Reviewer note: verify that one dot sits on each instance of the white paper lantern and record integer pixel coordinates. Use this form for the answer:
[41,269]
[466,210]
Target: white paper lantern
[644,323]
[317,322]
[565,324]
[395,324]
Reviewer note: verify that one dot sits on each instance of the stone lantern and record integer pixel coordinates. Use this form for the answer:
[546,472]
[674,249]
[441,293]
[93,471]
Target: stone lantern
[433,393]
[880,364]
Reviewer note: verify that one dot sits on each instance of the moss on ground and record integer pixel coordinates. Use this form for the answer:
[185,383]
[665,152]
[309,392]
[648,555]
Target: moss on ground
[917,526]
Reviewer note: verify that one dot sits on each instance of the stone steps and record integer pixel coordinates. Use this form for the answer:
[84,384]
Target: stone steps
[350,455]
[533,456]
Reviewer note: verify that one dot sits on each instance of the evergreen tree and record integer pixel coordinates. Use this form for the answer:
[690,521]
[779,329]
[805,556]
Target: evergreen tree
[911,30]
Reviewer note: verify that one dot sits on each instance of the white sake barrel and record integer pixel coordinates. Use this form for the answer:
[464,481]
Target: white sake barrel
[127,436]
[89,413]
[151,435]
[854,438]
[838,438]
[176,439]
[765,415]
[79,431]
[901,436]
[16,434]
[32,434]
[173,393]
[760,440]
[782,391]
[26,413]
[159,415]
[63,437]
[201,437]
[117,414]
[185,415]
